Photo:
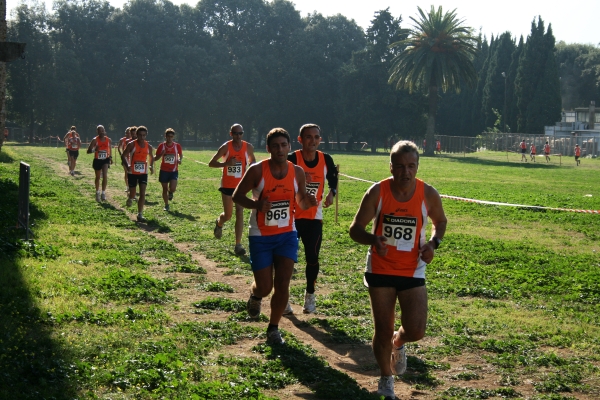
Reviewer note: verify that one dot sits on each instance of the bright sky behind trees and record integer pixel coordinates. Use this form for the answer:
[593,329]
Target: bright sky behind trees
[571,22]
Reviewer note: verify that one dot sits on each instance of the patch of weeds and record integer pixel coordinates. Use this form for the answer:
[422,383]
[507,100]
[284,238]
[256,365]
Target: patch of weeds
[346,303]
[217,287]
[221,304]
[346,330]
[459,341]
[466,376]
[123,285]
[509,380]
[186,268]
[219,390]
[505,346]
[422,381]
[105,318]
[419,365]
[206,336]
[563,381]
[38,250]
[454,393]
[552,396]
[244,317]
[121,259]
[267,375]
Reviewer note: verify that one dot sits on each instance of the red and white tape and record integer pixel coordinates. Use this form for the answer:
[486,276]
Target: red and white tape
[495,203]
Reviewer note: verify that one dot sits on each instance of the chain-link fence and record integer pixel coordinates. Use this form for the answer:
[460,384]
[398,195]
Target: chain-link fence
[512,142]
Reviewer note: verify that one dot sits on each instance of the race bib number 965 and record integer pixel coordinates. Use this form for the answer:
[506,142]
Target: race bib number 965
[235,170]
[279,214]
[139,167]
[400,231]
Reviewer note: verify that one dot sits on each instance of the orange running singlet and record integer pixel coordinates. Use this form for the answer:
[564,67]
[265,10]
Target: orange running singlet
[315,184]
[232,174]
[139,159]
[281,194]
[102,148]
[403,224]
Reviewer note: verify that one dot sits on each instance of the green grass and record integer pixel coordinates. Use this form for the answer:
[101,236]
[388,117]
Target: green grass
[87,305]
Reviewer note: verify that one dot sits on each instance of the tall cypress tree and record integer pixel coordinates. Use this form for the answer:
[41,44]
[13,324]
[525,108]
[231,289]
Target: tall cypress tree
[511,100]
[495,85]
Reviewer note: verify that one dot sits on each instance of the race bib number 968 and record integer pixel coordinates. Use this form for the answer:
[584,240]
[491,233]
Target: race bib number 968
[279,214]
[400,231]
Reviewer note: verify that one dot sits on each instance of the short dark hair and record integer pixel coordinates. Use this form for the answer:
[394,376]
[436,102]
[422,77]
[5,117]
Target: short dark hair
[404,146]
[170,130]
[73,128]
[309,126]
[277,132]
[234,125]
[141,128]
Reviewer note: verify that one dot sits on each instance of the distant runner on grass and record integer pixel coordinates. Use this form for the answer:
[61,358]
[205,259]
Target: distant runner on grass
[102,149]
[547,151]
[237,155]
[121,148]
[577,154]
[398,254]
[275,184]
[136,156]
[318,167]
[532,152]
[171,155]
[523,150]
[72,144]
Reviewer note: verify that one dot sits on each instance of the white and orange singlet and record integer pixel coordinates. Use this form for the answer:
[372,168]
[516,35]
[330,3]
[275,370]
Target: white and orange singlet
[281,194]
[315,185]
[102,148]
[232,174]
[403,224]
[139,159]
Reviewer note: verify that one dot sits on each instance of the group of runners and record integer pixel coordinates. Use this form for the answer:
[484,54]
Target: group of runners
[533,152]
[137,158]
[288,194]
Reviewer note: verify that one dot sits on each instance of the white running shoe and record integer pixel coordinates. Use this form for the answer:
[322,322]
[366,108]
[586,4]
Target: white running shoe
[103,197]
[398,360]
[274,337]
[288,309]
[310,303]
[98,197]
[386,387]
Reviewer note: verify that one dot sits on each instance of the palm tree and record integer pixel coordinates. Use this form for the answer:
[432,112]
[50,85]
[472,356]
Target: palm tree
[438,52]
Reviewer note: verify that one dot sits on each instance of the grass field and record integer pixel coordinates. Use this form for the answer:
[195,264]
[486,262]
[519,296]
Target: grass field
[98,306]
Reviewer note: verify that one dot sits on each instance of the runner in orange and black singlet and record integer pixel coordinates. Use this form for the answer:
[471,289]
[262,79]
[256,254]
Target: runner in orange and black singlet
[101,147]
[318,168]
[547,152]
[238,155]
[577,154]
[275,184]
[136,156]
[121,148]
[73,143]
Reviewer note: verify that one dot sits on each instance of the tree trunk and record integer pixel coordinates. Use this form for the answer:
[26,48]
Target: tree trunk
[429,134]
[2,73]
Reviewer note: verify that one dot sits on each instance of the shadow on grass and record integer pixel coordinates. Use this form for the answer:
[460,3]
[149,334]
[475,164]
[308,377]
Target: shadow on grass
[33,364]
[314,372]
[500,163]
[182,215]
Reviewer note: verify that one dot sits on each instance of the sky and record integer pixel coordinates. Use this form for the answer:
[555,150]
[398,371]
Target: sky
[571,23]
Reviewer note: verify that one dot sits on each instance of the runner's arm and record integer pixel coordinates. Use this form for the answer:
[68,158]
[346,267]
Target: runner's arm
[365,214]
[126,153]
[91,146]
[304,199]
[215,163]
[159,152]
[251,158]
[150,153]
[435,211]
[249,181]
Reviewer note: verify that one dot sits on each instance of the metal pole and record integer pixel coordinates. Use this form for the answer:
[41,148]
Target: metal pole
[337,193]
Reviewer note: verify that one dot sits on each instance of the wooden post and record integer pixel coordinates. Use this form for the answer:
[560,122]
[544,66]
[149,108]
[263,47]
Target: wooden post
[560,158]
[337,193]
